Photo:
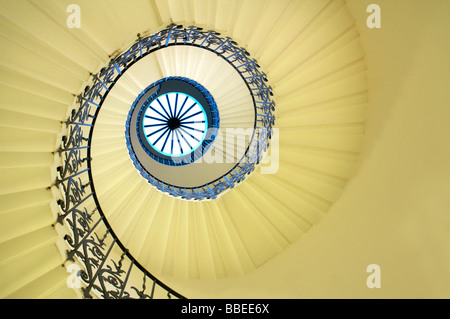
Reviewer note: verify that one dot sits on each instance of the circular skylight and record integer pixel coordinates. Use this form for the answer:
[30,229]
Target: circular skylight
[174,121]
[175,124]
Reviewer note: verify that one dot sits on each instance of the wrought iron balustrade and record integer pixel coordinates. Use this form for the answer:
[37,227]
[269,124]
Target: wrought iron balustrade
[107,269]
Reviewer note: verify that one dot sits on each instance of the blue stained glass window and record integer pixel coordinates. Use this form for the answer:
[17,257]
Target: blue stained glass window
[175,124]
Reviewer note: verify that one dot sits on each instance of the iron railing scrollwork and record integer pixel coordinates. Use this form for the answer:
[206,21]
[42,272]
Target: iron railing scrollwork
[108,270]
[255,80]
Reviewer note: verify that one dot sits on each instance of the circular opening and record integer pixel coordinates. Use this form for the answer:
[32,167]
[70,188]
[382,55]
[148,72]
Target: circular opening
[156,166]
[174,121]
[175,124]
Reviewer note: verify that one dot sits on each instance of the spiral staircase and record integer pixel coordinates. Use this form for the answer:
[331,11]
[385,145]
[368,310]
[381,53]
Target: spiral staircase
[158,240]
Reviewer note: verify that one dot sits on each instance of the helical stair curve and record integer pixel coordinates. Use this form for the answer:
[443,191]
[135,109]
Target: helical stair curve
[311,55]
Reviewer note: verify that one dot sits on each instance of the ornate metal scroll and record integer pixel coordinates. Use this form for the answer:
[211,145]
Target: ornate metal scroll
[90,240]
[250,72]
[108,269]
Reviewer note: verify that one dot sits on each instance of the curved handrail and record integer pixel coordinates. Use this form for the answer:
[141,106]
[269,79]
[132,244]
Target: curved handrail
[108,270]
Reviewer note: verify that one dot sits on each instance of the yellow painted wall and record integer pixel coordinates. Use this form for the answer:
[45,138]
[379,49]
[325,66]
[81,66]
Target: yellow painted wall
[395,210]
